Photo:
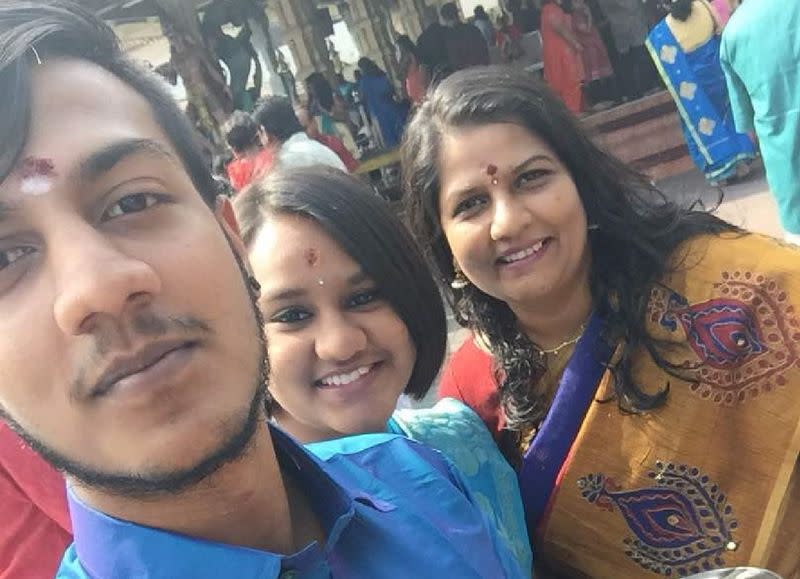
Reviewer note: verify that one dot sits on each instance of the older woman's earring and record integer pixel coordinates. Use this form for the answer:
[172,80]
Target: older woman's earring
[593,227]
[460,281]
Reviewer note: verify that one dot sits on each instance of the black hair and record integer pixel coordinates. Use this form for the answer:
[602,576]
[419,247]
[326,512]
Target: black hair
[276,115]
[639,229]
[369,68]
[449,11]
[406,44]
[241,131]
[49,29]
[681,9]
[365,227]
[480,13]
[320,91]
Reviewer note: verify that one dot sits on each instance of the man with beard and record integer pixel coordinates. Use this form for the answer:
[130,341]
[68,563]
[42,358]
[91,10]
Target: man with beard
[132,354]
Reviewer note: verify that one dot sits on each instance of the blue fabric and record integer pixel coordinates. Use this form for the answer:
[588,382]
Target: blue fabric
[378,94]
[760,55]
[454,429]
[551,445]
[391,508]
[697,84]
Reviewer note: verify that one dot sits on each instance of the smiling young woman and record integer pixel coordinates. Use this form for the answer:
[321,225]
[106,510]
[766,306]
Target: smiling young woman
[584,284]
[354,319]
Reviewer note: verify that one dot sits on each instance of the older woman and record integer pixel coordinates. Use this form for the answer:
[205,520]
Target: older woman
[636,360]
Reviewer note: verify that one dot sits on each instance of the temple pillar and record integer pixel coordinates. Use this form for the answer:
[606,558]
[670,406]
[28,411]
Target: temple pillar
[302,34]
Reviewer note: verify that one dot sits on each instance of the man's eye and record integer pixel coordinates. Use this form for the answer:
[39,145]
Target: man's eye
[132,204]
[9,256]
[290,316]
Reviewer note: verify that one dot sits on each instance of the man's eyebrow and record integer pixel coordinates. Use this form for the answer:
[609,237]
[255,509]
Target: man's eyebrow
[103,160]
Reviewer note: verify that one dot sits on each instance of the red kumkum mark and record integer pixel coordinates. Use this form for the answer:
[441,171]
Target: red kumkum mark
[37,167]
[312,257]
[491,170]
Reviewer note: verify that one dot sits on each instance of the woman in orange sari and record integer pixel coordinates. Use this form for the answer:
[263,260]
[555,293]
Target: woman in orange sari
[561,52]
[638,361]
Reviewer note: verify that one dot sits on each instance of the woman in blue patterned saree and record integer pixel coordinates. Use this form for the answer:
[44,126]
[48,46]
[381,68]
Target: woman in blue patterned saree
[685,49]
[354,319]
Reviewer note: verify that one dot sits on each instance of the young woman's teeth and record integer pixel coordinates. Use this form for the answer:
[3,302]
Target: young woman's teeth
[524,253]
[343,379]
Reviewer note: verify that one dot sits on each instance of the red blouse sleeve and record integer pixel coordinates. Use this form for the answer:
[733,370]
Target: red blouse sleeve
[468,376]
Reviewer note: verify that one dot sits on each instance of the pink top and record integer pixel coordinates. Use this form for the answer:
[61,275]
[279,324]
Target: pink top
[723,10]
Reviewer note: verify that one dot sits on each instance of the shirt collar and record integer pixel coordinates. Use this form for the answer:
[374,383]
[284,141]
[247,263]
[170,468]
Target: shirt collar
[109,547]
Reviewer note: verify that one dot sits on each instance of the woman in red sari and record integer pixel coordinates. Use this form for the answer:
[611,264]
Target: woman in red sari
[563,67]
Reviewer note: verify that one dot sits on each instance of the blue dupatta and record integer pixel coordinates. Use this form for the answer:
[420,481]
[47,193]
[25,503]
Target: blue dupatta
[544,458]
[697,85]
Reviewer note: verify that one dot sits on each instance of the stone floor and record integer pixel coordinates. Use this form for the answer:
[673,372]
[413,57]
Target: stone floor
[748,204]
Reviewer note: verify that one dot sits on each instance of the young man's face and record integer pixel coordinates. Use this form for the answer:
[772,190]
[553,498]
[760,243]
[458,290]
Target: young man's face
[129,348]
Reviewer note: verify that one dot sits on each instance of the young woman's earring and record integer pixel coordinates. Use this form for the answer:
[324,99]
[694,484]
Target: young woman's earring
[254,285]
[460,281]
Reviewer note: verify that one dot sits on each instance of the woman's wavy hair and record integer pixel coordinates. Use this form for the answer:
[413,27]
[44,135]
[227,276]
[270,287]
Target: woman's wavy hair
[363,224]
[637,230]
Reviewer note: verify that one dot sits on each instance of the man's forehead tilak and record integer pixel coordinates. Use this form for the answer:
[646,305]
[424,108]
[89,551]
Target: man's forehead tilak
[36,175]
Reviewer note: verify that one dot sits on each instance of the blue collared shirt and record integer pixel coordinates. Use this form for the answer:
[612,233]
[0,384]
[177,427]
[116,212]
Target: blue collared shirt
[390,507]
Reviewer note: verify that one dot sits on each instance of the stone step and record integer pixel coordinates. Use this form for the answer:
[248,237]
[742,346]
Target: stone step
[645,134]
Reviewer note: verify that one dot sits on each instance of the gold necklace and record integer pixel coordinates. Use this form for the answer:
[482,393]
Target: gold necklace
[570,342]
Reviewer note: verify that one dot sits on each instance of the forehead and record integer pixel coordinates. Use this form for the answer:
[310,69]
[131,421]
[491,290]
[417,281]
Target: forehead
[466,152]
[78,107]
[284,244]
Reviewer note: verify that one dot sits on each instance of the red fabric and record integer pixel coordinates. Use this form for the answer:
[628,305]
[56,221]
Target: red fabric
[468,376]
[245,170]
[415,82]
[510,32]
[336,145]
[35,527]
[596,64]
[563,67]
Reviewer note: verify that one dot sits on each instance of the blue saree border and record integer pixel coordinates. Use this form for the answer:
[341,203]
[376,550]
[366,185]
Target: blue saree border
[543,460]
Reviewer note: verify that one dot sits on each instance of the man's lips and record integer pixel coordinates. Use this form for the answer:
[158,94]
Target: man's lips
[124,366]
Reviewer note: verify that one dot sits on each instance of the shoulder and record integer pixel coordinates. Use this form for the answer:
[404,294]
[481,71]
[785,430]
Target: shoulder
[70,567]
[470,363]
[448,419]
[739,251]
[385,452]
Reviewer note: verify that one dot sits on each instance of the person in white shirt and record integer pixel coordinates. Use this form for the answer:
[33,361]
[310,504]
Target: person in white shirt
[280,130]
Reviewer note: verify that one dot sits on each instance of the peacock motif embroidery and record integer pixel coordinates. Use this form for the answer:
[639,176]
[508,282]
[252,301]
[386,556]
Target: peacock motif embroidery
[682,524]
[742,341]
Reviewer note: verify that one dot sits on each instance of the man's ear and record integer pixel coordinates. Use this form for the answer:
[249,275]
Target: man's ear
[227,219]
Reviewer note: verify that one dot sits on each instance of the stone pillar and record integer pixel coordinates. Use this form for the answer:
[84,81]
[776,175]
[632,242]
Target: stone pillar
[306,42]
[369,22]
[409,18]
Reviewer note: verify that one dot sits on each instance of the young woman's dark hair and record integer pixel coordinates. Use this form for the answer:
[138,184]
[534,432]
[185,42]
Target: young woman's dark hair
[32,30]
[406,45]
[241,131]
[369,68]
[681,9]
[319,91]
[365,227]
[637,230]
